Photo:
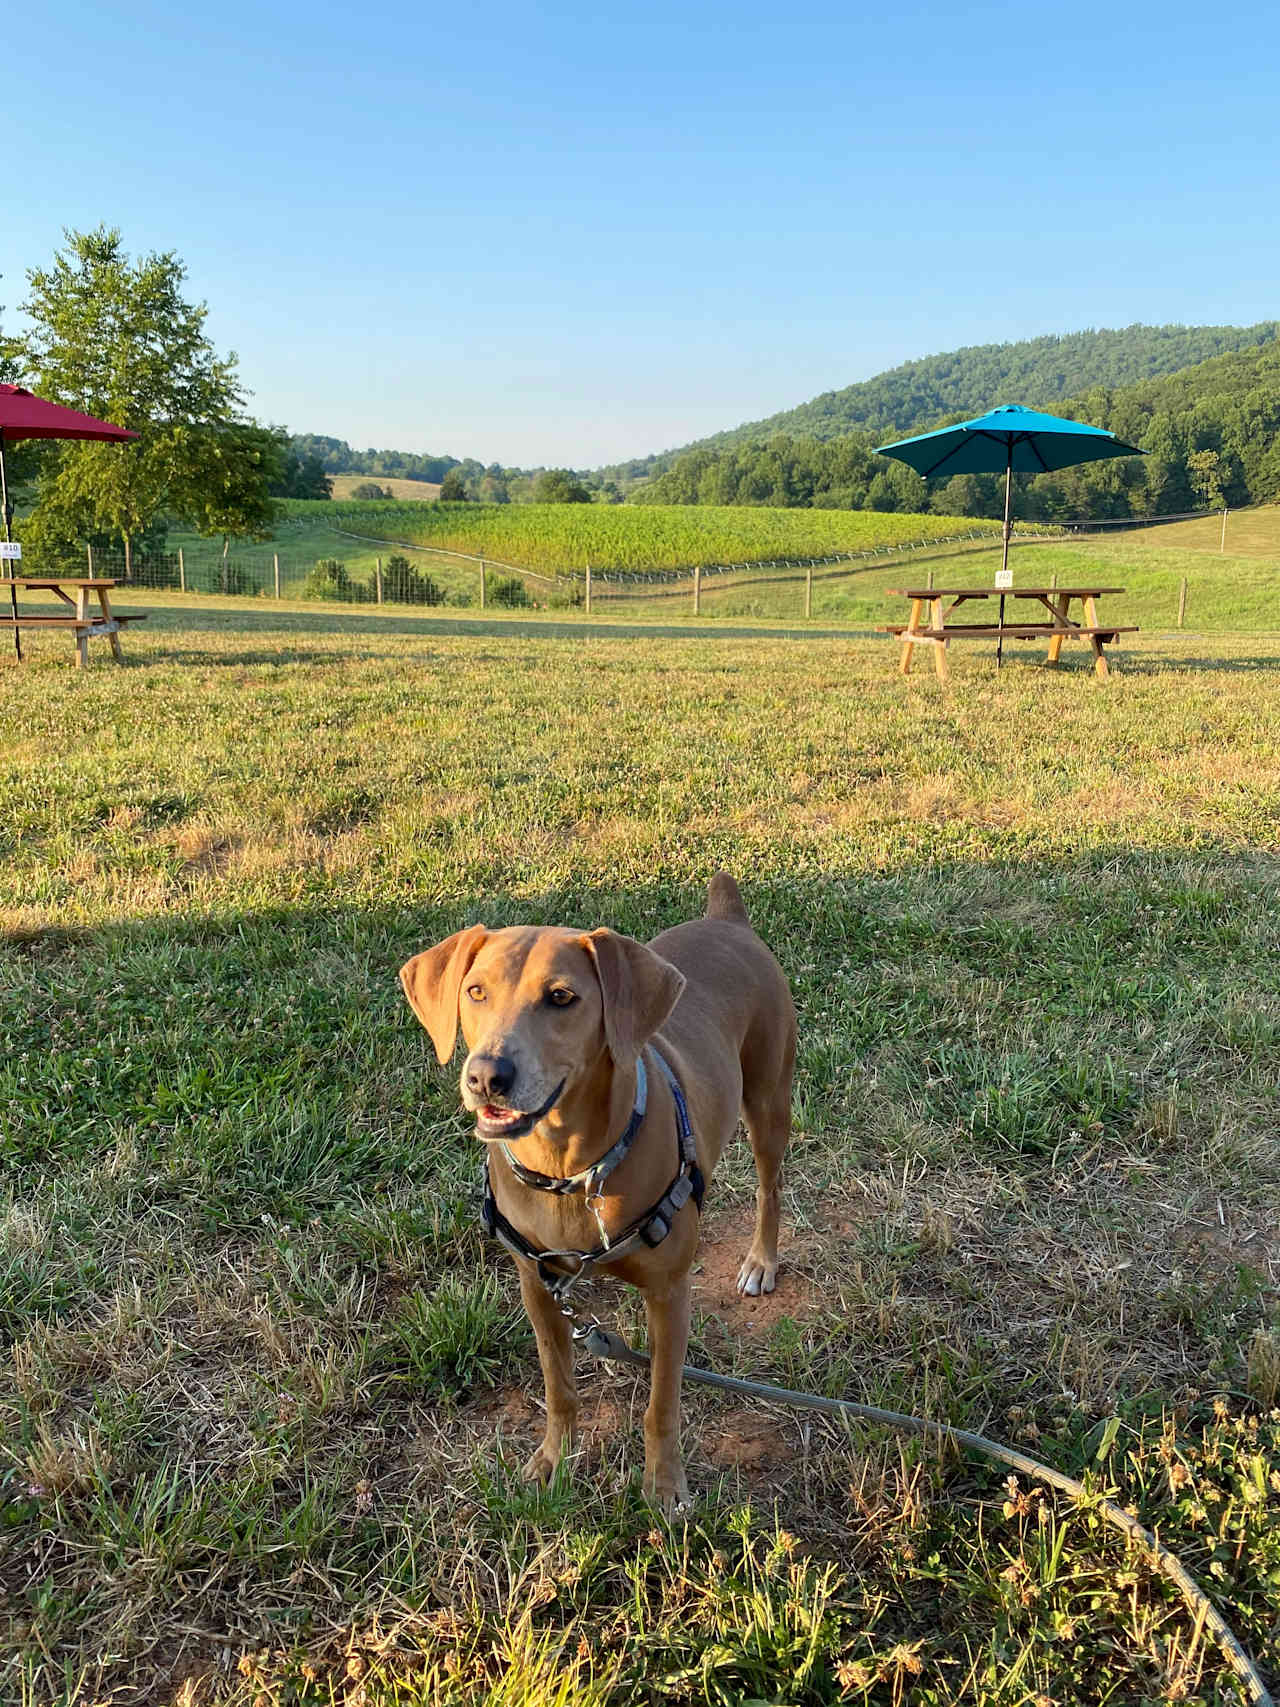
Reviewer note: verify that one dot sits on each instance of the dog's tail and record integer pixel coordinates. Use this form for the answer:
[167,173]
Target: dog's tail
[724,900]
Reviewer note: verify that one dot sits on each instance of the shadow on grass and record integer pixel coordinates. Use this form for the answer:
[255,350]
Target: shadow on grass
[256,620]
[282,1076]
[1246,665]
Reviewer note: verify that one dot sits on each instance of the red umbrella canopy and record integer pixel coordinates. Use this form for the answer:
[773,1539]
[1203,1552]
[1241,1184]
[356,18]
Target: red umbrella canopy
[23,415]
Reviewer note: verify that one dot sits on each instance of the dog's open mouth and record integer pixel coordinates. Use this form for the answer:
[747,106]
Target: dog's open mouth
[494,1123]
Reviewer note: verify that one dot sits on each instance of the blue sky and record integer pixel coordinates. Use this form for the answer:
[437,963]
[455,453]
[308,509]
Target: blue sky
[575,233]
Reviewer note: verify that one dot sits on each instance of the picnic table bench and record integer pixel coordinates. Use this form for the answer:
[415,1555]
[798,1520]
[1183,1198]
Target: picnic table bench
[940,632]
[86,625]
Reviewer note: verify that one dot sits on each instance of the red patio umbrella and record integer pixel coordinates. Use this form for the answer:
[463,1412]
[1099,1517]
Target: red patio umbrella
[23,415]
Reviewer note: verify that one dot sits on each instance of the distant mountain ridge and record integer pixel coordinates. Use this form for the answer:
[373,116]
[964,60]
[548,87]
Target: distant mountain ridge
[1039,372]
[1211,433]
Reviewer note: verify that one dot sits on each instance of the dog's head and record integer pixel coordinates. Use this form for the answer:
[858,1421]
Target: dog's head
[537,1008]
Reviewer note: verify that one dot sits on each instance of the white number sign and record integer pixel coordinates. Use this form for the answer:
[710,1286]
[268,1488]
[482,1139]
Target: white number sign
[1004,579]
[10,550]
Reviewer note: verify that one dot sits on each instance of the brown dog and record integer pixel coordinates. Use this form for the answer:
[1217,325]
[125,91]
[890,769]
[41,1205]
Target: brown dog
[566,1032]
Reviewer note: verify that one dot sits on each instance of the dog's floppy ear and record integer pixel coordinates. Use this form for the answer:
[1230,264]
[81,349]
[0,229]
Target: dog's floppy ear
[432,980]
[639,987]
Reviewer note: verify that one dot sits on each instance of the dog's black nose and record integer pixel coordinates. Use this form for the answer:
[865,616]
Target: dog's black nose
[490,1076]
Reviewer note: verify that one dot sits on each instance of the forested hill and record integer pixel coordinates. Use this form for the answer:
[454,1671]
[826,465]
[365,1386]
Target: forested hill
[1039,372]
[1212,434]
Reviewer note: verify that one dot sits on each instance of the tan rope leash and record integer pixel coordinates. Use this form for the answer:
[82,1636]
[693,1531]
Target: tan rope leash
[600,1342]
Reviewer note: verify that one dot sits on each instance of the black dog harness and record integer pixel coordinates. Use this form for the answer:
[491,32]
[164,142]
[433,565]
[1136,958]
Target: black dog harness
[649,1229]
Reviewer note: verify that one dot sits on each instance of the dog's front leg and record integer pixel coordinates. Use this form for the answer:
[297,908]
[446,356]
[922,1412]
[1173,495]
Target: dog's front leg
[668,1304]
[555,1353]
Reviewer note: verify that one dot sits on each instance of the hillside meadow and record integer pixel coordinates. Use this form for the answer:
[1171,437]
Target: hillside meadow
[405,491]
[265,1388]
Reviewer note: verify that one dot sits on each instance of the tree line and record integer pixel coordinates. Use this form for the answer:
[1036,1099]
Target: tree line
[1211,431]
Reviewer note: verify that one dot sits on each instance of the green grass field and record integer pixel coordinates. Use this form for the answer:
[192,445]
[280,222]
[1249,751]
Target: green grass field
[1238,591]
[266,1388]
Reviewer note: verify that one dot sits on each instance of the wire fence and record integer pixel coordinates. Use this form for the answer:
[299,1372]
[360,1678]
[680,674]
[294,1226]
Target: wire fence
[364,569]
[373,570]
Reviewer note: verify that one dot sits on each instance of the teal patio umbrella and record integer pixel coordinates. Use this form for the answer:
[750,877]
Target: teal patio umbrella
[1009,440]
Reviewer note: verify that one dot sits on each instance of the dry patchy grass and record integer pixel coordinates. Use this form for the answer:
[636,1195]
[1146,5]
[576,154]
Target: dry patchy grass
[265,1388]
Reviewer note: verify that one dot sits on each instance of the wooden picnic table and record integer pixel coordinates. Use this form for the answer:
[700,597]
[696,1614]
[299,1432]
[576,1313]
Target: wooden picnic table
[74,592]
[939,632]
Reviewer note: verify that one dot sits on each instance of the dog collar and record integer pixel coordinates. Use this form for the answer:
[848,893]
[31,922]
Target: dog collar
[590,1179]
[649,1229]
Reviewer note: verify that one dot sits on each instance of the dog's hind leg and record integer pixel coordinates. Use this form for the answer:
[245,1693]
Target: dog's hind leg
[768,1115]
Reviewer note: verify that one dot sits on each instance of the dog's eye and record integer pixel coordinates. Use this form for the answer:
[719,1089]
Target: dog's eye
[561,997]
[476,992]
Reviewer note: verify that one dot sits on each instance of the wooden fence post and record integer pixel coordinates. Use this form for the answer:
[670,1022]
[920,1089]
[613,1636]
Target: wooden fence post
[275,560]
[89,549]
[1182,601]
[482,583]
[377,577]
[929,582]
[182,572]
[588,589]
[697,589]
[1223,545]
[808,592]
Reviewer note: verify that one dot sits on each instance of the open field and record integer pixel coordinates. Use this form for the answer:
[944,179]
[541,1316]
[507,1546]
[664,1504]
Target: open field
[266,1388]
[1254,532]
[404,491]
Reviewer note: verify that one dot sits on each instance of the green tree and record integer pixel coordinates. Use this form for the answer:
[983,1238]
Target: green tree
[1207,475]
[559,486]
[223,484]
[371,489]
[116,337]
[453,488]
[302,475]
[404,583]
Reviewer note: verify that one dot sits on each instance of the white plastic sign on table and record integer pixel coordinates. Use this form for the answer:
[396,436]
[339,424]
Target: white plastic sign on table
[1004,579]
[10,550]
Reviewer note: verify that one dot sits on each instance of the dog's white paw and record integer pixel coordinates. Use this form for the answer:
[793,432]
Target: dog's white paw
[756,1277]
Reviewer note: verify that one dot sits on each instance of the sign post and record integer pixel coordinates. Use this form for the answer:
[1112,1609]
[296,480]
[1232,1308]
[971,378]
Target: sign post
[1004,580]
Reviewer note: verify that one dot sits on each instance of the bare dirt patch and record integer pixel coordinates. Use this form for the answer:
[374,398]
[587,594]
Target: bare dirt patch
[715,1277]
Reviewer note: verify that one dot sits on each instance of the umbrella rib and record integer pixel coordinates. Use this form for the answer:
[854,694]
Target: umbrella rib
[1030,439]
[958,446]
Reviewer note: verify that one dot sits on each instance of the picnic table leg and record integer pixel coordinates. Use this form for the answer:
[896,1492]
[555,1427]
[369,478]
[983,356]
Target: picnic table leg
[81,634]
[913,627]
[1059,609]
[1099,656]
[114,636]
[939,646]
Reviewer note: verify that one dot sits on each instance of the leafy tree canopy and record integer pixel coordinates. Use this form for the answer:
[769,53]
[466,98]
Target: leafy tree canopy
[559,486]
[117,338]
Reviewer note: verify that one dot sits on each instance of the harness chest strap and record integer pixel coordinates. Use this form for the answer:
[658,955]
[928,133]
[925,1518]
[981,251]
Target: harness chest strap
[649,1229]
